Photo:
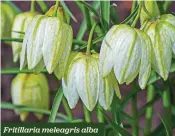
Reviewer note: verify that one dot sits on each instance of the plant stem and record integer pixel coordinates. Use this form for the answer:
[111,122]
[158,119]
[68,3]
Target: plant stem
[56,8]
[67,109]
[149,110]
[166,5]
[134,4]
[87,18]
[138,15]
[32,6]
[167,103]
[55,106]
[99,114]
[135,126]
[90,39]
[43,6]
[86,114]
[10,106]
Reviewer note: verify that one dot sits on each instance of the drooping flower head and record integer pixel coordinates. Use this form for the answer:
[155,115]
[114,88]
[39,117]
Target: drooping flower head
[162,35]
[30,90]
[20,24]
[83,80]
[47,43]
[128,51]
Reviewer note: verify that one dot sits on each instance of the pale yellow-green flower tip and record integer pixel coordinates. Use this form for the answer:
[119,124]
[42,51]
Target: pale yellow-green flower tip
[162,35]
[30,90]
[20,24]
[128,51]
[8,14]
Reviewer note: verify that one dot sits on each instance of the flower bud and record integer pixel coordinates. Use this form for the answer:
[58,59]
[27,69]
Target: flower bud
[153,9]
[30,90]
[47,42]
[20,24]
[127,57]
[162,35]
[8,14]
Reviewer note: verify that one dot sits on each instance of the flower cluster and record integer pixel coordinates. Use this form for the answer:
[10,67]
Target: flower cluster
[30,90]
[126,53]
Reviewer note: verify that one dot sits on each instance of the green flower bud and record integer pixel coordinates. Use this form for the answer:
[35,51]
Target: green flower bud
[162,35]
[47,42]
[20,24]
[8,14]
[128,51]
[153,9]
[30,90]
[83,79]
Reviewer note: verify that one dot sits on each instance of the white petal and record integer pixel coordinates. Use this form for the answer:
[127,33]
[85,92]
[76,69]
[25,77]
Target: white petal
[106,92]
[53,46]
[61,67]
[162,50]
[87,81]
[27,38]
[127,54]
[106,52]
[70,91]
[34,50]
[17,26]
[145,67]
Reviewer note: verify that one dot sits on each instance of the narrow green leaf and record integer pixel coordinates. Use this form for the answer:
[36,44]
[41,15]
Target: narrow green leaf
[131,16]
[17,10]
[56,104]
[10,106]
[90,8]
[116,127]
[105,13]
[17,70]
[166,125]
[68,11]
[83,27]
[12,39]
[18,32]
[42,5]
[148,104]
[113,14]
[166,5]
[80,42]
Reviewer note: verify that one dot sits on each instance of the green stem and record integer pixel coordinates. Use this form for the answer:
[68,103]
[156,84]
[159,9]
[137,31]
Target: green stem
[32,6]
[138,15]
[55,106]
[166,5]
[87,18]
[134,5]
[149,110]
[67,109]
[87,114]
[56,8]
[43,6]
[135,126]
[99,114]
[10,106]
[90,39]
[167,103]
